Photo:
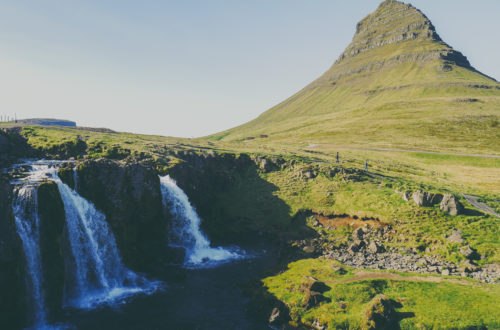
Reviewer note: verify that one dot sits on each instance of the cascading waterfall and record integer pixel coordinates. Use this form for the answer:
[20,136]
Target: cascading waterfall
[97,273]
[25,207]
[185,229]
[100,274]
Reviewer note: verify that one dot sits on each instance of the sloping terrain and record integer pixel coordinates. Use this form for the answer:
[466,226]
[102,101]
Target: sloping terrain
[396,85]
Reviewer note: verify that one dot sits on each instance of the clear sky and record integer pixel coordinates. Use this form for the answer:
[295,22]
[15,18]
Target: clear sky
[191,68]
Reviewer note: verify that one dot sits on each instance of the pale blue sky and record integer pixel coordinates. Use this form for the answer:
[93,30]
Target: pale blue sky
[190,68]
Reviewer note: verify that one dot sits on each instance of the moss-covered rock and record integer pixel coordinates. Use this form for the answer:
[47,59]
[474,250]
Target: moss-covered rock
[12,279]
[130,197]
[52,226]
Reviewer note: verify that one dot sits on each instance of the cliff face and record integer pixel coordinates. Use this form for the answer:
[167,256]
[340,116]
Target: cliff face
[130,197]
[12,279]
[236,205]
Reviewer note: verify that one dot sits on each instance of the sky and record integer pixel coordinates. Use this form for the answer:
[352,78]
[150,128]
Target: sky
[191,68]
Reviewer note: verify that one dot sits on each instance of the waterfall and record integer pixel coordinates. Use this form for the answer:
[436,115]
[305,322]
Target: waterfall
[27,221]
[185,229]
[96,274]
[100,276]
[25,207]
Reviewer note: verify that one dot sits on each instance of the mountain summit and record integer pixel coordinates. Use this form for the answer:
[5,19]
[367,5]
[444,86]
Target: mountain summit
[396,84]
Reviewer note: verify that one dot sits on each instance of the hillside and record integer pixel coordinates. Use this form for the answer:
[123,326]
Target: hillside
[397,85]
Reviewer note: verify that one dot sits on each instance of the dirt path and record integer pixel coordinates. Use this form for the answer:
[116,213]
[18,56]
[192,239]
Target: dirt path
[473,200]
[313,146]
[364,275]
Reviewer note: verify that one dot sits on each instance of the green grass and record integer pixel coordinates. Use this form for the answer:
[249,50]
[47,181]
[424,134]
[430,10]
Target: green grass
[425,305]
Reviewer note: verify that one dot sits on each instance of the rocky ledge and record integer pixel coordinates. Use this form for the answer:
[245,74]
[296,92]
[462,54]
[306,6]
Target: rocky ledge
[367,250]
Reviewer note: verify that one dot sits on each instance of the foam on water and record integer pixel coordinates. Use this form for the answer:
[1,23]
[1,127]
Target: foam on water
[185,230]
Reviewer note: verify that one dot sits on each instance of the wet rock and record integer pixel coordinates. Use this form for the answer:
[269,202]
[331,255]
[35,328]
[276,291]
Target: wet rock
[455,236]
[451,205]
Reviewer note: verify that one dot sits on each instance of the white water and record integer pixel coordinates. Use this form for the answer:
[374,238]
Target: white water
[96,273]
[185,230]
[100,276]
[25,209]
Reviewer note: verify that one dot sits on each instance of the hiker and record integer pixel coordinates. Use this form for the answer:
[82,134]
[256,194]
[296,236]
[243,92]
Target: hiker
[366,165]
[337,156]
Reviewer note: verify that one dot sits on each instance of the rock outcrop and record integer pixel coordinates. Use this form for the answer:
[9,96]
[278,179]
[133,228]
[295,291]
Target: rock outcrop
[451,205]
[424,198]
[130,197]
[12,280]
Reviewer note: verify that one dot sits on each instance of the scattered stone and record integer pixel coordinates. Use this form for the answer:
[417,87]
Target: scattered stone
[445,272]
[308,249]
[455,236]
[451,205]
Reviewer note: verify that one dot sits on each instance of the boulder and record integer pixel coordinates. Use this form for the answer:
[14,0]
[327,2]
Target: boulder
[451,205]
[467,252]
[309,249]
[424,198]
[374,247]
[406,195]
[357,234]
[455,236]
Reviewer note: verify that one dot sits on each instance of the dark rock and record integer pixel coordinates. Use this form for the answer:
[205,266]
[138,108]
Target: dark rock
[13,308]
[52,244]
[450,204]
[357,234]
[130,197]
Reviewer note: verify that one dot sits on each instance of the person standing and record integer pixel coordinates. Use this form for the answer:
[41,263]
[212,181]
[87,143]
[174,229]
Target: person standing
[366,165]
[337,156]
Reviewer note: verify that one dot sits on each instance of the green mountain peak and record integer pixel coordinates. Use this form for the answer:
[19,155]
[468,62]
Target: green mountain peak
[397,84]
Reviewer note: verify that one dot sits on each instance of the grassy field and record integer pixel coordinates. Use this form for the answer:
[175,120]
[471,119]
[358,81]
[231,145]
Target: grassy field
[422,302]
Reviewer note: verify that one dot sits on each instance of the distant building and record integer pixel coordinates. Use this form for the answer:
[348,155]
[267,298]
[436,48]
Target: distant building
[47,122]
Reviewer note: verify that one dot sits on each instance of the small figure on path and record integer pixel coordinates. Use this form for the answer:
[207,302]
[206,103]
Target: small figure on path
[337,156]
[366,165]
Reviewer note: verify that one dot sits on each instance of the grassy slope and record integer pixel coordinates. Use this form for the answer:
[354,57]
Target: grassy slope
[405,103]
[442,305]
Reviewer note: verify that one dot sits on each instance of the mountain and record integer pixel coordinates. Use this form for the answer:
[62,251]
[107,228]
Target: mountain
[398,84]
